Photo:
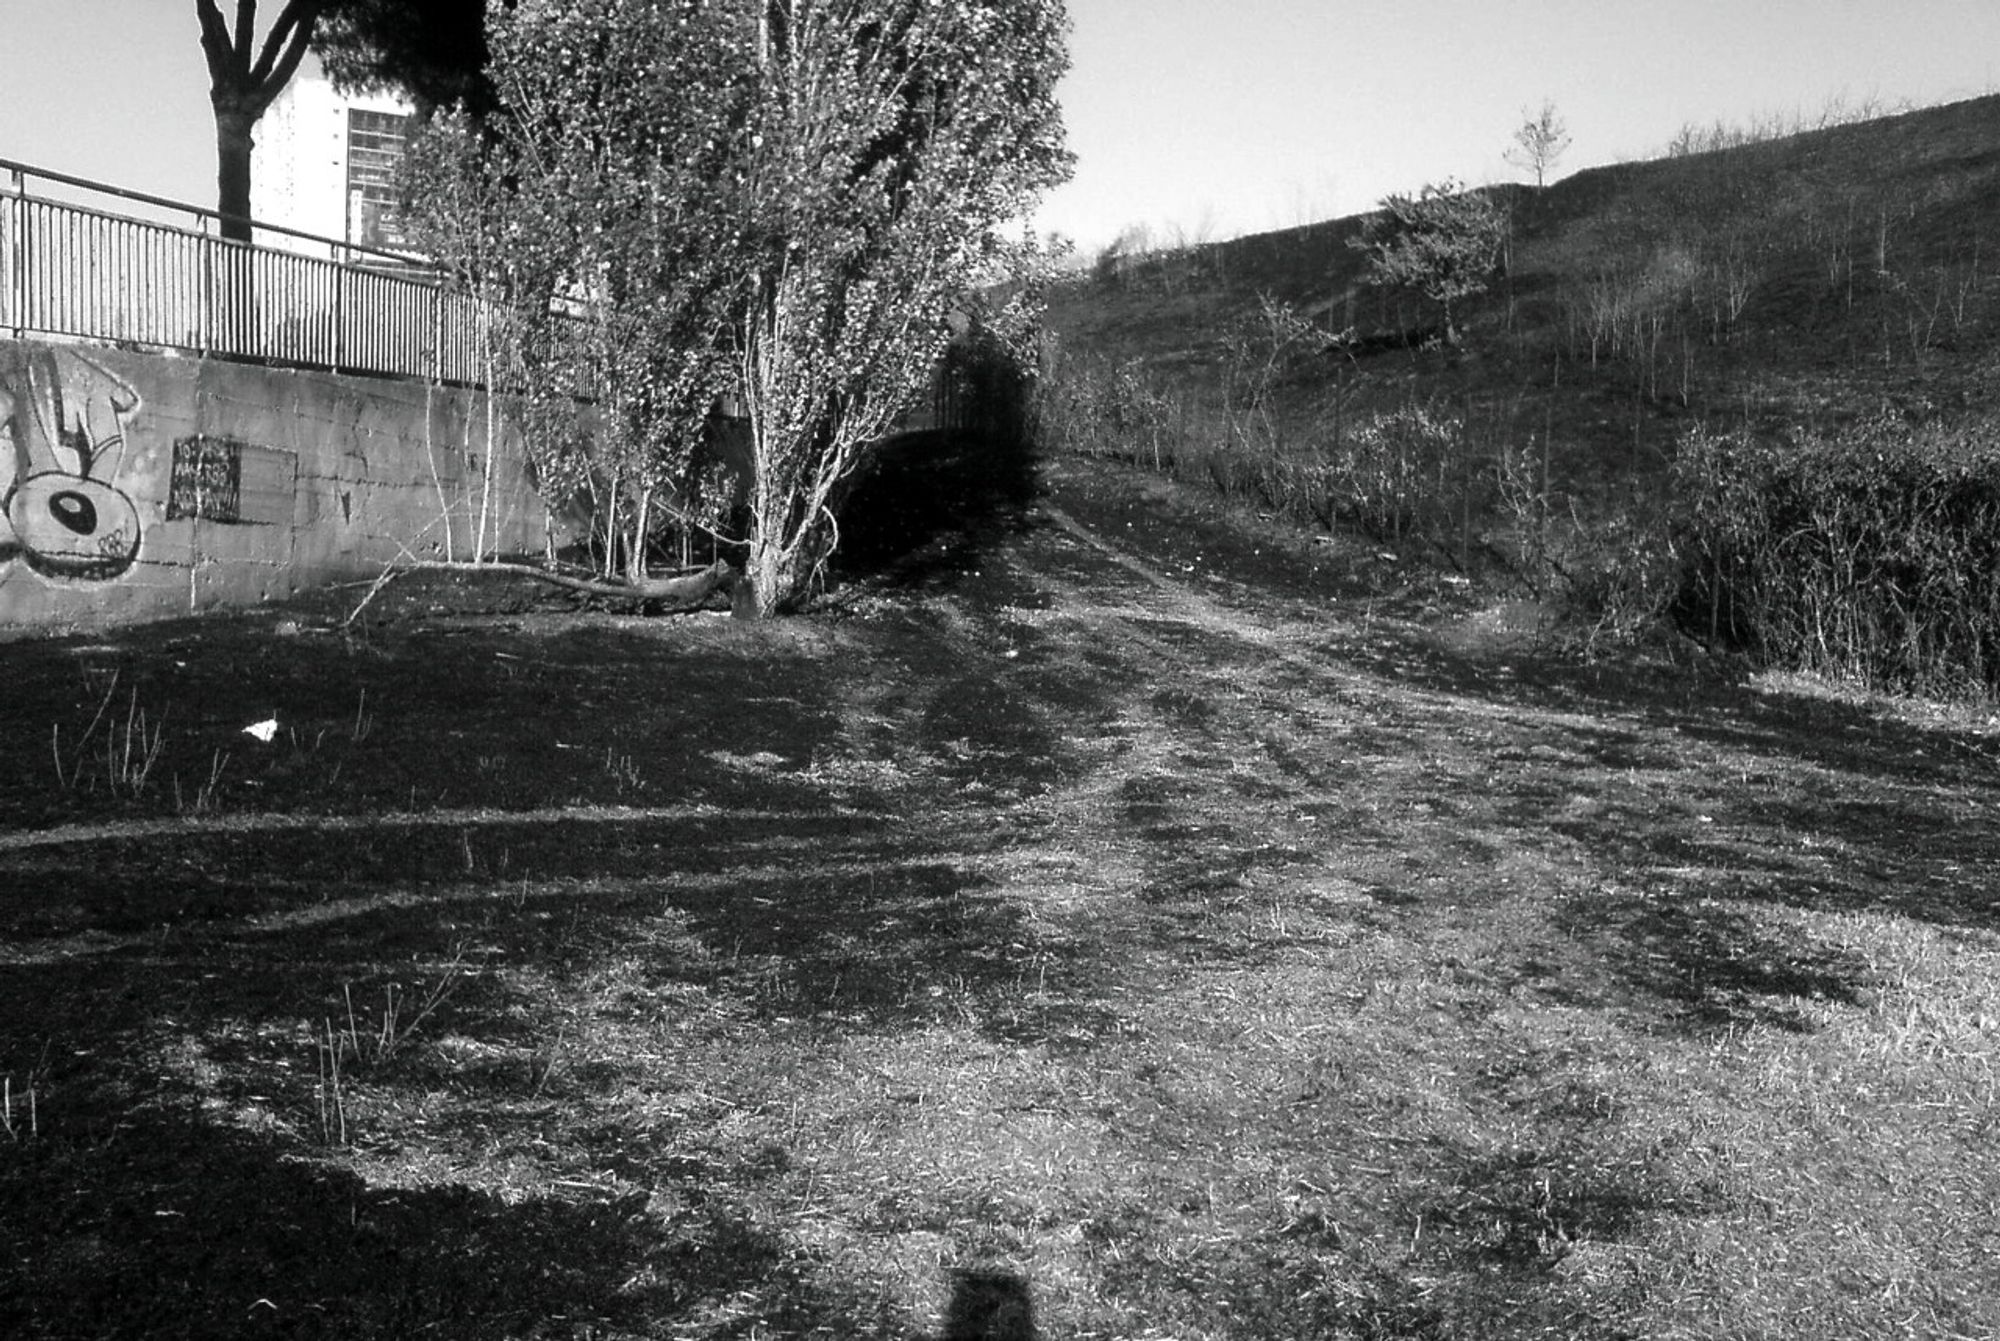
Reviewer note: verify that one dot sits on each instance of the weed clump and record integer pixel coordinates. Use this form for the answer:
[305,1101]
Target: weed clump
[1864,555]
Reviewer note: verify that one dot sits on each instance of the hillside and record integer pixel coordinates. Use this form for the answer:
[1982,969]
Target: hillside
[1748,393]
[1810,277]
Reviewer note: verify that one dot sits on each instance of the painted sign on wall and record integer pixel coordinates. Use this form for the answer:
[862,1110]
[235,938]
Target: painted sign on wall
[207,479]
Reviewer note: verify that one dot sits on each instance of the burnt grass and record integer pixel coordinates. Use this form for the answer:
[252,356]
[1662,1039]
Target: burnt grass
[1104,914]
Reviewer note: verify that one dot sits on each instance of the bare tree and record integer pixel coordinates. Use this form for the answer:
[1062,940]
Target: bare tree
[1539,142]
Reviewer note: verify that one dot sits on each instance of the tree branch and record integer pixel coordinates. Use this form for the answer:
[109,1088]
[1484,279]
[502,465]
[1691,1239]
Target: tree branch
[216,46]
[246,27]
[284,48]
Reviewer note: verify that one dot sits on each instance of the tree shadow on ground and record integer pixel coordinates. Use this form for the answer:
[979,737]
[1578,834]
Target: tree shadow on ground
[855,925]
[539,819]
[1712,966]
[930,503]
[1809,802]
[1706,803]
[1737,807]
[71,884]
[427,715]
[137,1216]
[1715,705]
[1698,804]
[161,1213]
[1781,778]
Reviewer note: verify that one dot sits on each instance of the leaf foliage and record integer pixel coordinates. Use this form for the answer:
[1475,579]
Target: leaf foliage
[1443,242]
[778,204]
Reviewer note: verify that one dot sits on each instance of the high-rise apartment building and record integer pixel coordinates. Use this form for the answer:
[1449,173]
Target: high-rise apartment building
[325,163]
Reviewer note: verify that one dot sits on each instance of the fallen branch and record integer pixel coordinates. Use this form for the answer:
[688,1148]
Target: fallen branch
[684,592]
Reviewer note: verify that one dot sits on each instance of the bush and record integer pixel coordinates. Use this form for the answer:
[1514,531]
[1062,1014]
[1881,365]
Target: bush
[1400,473]
[1868,555]
[1091,407]
[1230,444]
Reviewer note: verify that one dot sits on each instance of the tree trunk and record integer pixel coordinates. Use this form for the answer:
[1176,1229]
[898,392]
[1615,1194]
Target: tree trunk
[232,172]
[232,300]
[785,555]
[766,588]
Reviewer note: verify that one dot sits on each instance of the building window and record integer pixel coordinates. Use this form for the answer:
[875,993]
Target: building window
[375,145]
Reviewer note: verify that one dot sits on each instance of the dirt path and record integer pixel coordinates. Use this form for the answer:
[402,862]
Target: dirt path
[1174,920]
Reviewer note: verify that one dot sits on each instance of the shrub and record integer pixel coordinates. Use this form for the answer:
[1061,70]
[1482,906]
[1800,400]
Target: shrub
[1400,473]
[1092,407]
[1866,555]
[1614,577]
[1443,242]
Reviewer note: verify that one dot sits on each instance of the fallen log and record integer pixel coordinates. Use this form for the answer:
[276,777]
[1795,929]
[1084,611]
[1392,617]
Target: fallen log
[682,592]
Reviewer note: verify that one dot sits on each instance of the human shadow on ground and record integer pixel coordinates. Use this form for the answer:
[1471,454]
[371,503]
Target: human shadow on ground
[988,1305]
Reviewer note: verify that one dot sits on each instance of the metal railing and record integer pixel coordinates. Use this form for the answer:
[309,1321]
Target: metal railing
[75,269]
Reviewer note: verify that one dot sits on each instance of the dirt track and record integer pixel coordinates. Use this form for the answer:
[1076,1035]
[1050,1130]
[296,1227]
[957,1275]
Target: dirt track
[1128,884]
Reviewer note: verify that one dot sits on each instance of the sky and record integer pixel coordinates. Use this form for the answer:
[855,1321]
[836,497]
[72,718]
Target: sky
[1194,119]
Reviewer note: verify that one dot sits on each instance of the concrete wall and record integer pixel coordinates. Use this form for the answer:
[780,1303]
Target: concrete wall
[135,486]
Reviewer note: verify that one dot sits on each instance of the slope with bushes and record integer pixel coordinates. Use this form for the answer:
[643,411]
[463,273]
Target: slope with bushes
[1831,295]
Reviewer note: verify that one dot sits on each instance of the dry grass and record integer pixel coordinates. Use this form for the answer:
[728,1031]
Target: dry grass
[1125,924]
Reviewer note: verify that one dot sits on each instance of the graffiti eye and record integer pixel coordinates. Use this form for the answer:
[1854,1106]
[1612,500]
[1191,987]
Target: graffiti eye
[72,528]
[73,510]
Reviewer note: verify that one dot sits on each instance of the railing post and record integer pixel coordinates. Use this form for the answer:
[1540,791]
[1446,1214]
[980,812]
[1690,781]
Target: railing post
[339,316]
[18,257]
[205,310]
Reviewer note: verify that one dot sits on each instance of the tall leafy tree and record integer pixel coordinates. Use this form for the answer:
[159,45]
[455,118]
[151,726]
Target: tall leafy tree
[587,219]
[433,51]
[890,142]
[780,198]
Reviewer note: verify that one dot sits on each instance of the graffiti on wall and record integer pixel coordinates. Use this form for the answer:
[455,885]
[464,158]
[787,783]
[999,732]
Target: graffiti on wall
[64,418]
